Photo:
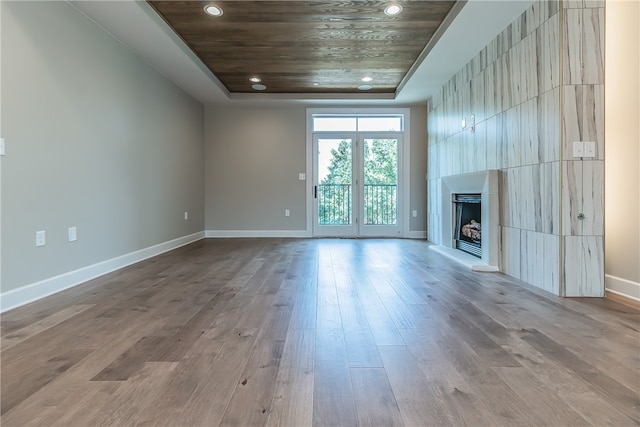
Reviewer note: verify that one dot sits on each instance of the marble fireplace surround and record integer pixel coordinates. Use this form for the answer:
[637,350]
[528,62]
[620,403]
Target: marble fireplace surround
[486,184]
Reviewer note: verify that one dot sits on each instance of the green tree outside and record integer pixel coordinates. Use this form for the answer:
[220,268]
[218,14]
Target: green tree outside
[380,184]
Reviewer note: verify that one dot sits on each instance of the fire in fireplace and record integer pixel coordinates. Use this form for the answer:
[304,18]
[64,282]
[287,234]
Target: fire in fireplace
[467,223]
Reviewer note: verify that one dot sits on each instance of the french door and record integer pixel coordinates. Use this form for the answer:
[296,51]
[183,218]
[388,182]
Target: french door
[356,184]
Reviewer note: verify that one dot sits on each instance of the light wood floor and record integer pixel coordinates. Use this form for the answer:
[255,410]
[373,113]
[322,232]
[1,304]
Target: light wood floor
[278,332]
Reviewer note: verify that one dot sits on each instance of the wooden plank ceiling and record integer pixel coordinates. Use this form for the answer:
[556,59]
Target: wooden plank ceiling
[306,46]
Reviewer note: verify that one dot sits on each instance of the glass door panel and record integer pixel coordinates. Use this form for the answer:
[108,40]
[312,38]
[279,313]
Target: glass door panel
[334,189]
[380,189]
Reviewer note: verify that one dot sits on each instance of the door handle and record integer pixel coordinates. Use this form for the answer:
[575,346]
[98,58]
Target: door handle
[315,191]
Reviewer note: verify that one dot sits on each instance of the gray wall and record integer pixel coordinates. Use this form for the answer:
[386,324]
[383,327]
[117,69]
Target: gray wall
[418,185]
[97,139]
[253,157]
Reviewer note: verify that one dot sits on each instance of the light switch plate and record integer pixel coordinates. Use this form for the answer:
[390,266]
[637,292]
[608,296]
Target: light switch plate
[590,149]
[41,238]
[73,234]
[2,147]
[578,149]
[302,176]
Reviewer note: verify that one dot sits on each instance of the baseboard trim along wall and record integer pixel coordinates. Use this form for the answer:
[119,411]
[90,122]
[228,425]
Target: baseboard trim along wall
[256,233]
[298,234]
[622,287]
[35,291]
[622,299]
[415,235]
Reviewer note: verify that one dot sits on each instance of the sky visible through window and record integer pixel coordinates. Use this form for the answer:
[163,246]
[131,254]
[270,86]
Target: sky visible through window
[324,155]
[357,124]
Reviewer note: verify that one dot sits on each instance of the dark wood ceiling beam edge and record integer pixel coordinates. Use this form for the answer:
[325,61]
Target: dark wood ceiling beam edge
[453,13]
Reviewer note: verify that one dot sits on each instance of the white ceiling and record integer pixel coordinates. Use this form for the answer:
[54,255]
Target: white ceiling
[137,26]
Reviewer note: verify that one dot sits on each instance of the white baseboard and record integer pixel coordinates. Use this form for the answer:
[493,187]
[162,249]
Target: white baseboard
[300,234]
[256,233]
[286,233]
[415,235]
[462,258]
[623,287]
[35,291]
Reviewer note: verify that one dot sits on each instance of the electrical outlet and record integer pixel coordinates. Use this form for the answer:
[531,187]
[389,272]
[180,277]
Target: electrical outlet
[73,234]
[287,212]
[41,238]
[2,147]
[414,213]
[302,176]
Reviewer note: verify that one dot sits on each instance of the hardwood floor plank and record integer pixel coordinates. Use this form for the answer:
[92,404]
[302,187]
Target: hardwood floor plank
[229,318]
[18,387]
[174,347]
[457,394]
[129,362]
[480,342]
[17,336]
[382,327]
[137,394]
[375,402]
[208,402]
[304,313]
[359,342]
[292,403]
[550,407]
[573,390]
[81,405]
[250,404]
[182,382]
[493,395]
[333,401]
[419,403]
[626,400]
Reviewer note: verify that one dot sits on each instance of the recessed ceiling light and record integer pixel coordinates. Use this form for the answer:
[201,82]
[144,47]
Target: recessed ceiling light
[258,87]
[255,79]
[365,87]
[367,79]
[213,10]
[392,9]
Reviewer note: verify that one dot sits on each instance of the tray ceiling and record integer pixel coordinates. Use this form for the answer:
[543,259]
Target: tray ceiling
[307,46]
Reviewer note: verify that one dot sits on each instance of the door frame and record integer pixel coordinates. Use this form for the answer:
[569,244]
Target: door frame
[404,210]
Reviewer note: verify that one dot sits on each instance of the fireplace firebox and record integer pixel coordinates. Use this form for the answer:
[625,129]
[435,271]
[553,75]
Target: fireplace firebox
[467,223]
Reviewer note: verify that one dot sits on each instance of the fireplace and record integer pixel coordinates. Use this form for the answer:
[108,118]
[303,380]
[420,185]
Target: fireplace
[469,232]
[467,220]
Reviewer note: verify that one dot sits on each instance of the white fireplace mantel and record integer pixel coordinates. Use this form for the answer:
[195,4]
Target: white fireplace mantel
[486,184]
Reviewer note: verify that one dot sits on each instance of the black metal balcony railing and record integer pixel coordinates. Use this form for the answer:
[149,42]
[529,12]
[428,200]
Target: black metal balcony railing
[380,204]
[334,204]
